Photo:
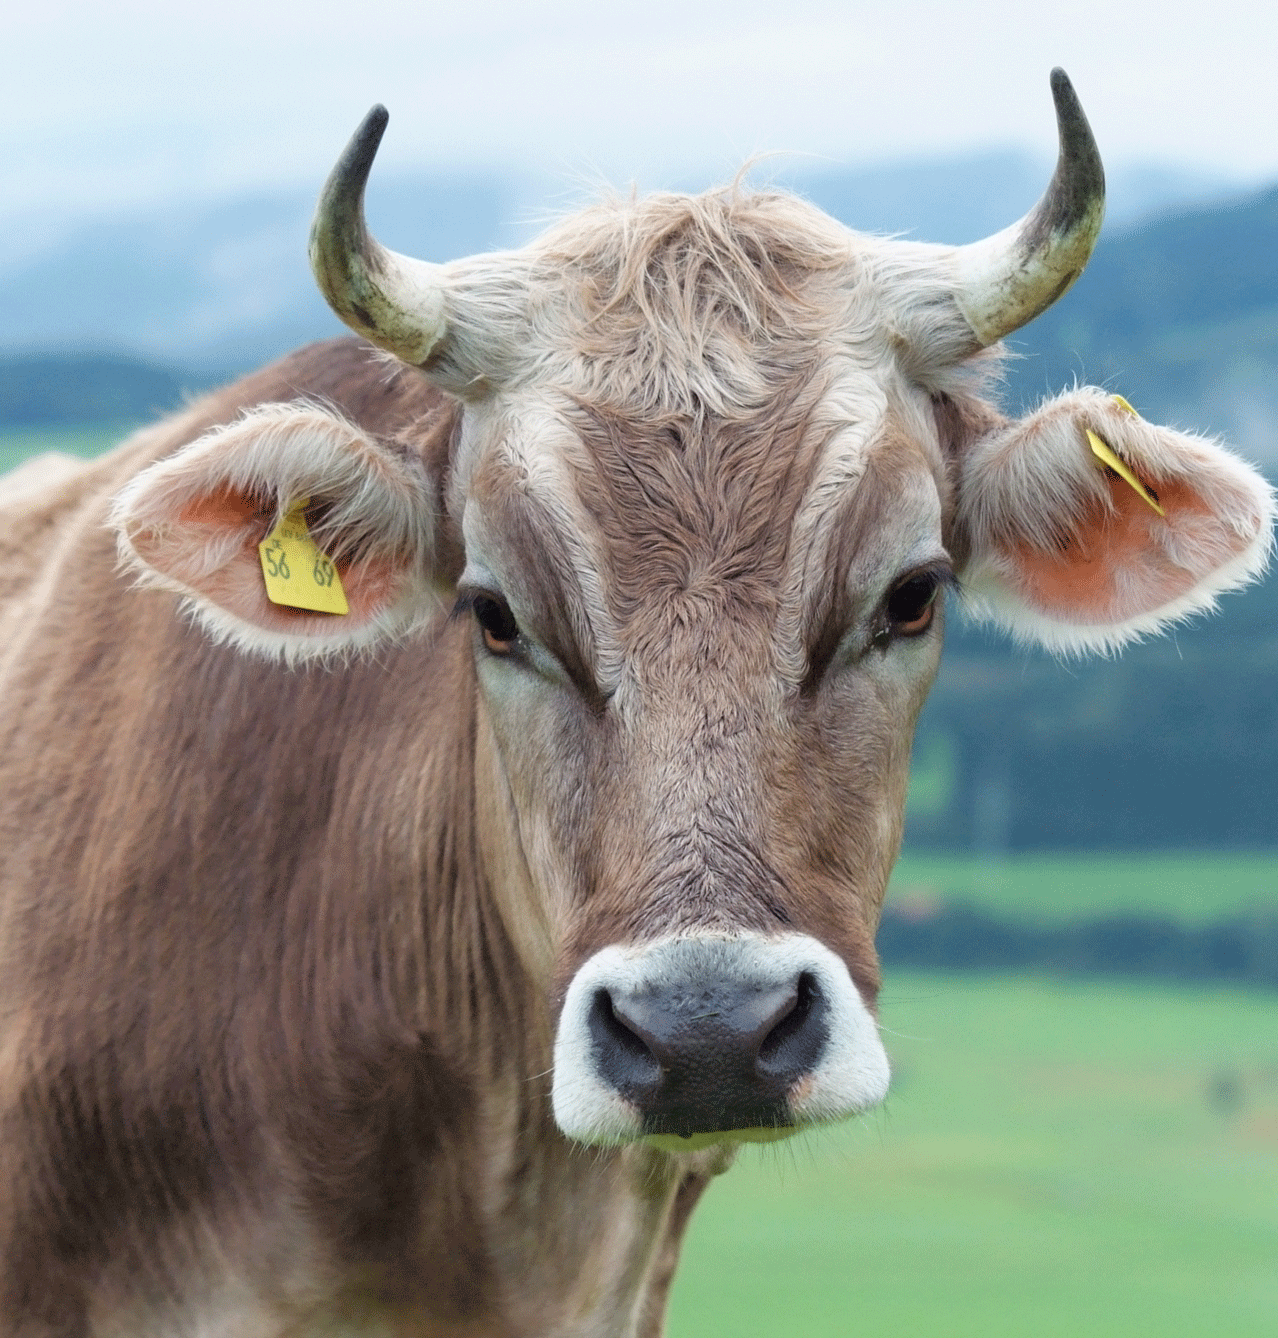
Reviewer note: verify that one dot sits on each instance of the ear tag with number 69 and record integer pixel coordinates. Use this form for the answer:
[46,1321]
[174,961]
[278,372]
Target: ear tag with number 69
[296,572]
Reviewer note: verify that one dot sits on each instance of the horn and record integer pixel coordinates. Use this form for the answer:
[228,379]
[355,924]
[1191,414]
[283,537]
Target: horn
[1003,282]
[394,301]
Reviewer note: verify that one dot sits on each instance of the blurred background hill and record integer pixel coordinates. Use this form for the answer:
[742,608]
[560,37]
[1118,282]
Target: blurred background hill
[214,287]
[209,289]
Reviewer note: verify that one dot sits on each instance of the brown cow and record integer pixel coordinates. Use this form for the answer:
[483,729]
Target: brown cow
[412,973]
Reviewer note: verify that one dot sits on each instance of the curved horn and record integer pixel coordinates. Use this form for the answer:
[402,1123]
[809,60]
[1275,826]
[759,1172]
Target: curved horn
[1006,280]
[394,301]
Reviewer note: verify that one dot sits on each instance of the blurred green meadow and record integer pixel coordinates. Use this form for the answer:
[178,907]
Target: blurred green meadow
[17,444]
[1189,887]
[1056,1158]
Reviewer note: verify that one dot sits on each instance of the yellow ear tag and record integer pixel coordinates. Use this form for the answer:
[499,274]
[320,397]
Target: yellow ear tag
[297,574]
[1107,457]
[1122,404]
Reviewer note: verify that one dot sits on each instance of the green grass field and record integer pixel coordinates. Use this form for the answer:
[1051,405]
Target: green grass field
[17,444]
[1189,887]
[1056,1159]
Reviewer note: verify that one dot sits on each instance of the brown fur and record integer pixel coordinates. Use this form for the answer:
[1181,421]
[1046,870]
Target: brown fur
[254,989]
[695,520]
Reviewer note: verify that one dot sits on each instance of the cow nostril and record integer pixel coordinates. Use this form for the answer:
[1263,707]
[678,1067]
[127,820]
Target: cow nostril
[620,1033]
[795,1043]
[623,1057]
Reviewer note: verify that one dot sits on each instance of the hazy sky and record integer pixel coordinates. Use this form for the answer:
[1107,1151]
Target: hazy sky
[148,99]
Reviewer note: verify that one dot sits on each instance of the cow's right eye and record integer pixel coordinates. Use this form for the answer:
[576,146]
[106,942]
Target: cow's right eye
[496,623]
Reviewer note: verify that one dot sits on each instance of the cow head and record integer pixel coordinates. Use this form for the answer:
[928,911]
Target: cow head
[715,466]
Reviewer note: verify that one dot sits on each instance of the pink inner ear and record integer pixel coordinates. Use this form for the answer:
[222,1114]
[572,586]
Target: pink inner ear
[226,509]
[239,587]
[192,541]
[1127,561]
[211,547]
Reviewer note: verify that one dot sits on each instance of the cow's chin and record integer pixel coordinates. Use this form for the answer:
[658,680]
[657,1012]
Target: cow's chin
[713,1039]
[729,1137]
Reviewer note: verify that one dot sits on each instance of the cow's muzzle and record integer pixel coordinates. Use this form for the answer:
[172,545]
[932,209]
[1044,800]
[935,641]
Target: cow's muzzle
[698,1039]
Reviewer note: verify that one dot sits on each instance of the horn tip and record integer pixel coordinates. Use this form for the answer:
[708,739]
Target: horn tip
[367,139]
[1068,106]
[1071,119]
[1077,144]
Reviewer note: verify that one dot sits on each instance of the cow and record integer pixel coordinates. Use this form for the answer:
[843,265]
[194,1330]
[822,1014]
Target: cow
[406,962]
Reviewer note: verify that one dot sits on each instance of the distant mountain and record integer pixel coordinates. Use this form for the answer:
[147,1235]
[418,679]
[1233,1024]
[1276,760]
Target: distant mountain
[222,286]
[959,200]
[1171,745]
[46,390]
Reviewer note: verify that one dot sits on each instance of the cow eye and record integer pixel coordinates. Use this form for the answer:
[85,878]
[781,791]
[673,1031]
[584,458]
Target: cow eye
[496,623]
[912,605]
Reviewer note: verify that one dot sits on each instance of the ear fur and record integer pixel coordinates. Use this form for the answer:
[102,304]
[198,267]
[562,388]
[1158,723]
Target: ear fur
[1066,553]
[191,524]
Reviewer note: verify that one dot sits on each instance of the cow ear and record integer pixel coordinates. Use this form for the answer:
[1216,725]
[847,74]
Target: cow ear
[1088,527]
[192,524]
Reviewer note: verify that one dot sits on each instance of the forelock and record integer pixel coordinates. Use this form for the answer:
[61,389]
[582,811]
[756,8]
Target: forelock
[703,304]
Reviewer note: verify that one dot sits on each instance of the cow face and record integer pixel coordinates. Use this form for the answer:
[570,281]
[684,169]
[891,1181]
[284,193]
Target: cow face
[715,463]
[702,645]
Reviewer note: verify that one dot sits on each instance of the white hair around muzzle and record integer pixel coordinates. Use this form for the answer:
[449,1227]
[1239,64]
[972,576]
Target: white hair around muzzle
[850,1075]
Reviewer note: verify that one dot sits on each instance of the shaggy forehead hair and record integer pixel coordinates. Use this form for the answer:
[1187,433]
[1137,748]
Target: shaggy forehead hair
[705,304]
[716,371]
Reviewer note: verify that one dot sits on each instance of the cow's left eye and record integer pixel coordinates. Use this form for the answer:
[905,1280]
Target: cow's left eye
[496,623]
[912,605]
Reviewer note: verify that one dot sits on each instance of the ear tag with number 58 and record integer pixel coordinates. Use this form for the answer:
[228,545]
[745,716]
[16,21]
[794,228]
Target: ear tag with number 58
[296,572]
